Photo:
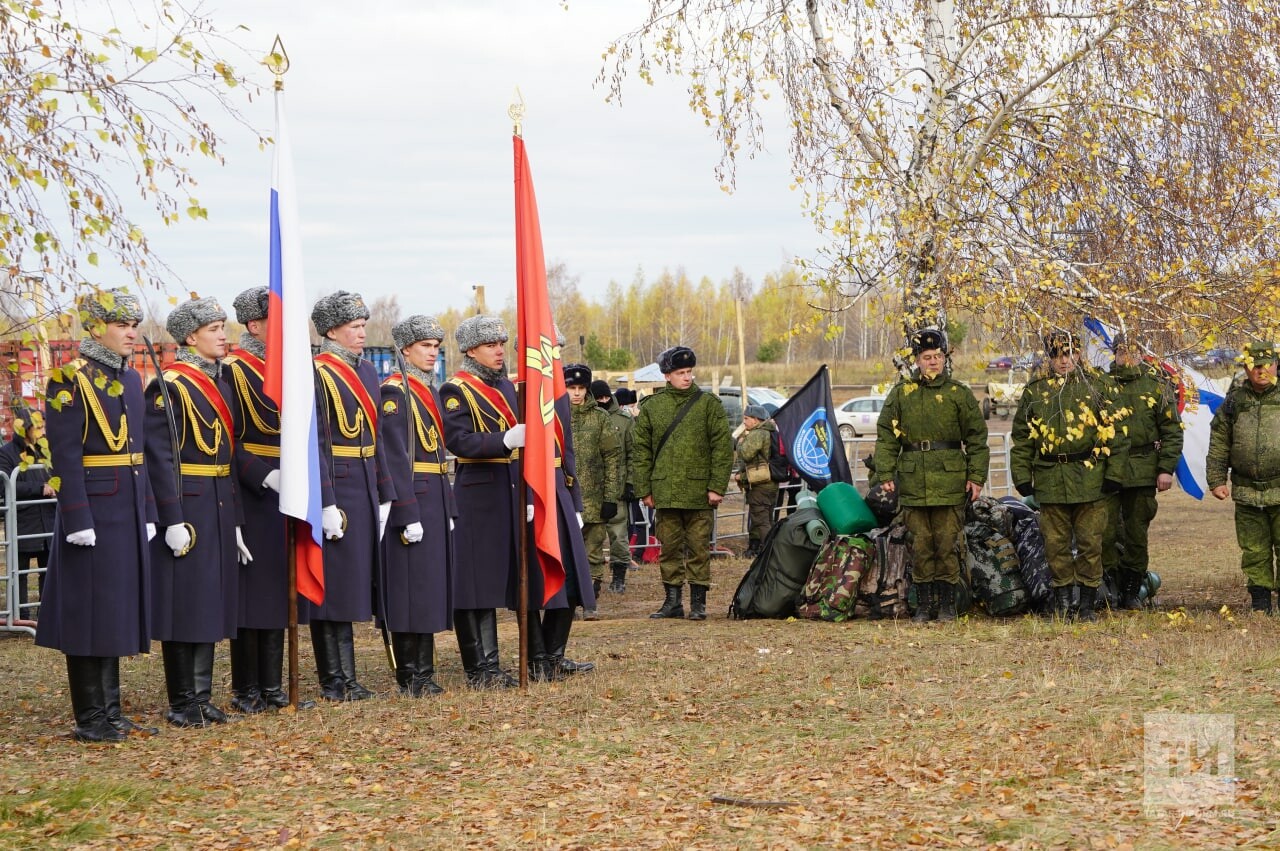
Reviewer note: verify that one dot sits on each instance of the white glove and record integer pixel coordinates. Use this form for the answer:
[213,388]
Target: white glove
[528,513]
[513,438]
[151,531]
[450,524]
[413,533]
[243,551]
[177,538]
[84,538]
[272,481]
[579,516]
[384,511]
[331,522]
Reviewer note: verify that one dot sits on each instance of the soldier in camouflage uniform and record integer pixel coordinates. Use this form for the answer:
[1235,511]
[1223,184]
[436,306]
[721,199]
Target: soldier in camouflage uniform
[598,451]
[931,448]
[619,540]
[1244,439]
[682,469]
[1150,406]
[1070,451]
[754,447]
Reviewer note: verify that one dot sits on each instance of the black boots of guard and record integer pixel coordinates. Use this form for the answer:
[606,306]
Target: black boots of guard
[89,701]
[477,632]
[188,677]
[335,652]
[415,664]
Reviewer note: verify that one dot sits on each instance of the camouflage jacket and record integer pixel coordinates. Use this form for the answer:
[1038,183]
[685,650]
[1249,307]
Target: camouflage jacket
[626,426]
[754,447]
[919,412]
[697,457]
[598,452]
[1149,405]
[1244,437]
[1067,437]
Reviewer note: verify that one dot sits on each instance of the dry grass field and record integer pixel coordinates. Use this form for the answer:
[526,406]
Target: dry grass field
[1019,733]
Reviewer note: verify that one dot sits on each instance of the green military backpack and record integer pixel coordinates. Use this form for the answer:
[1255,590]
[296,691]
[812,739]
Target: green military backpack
[832,587]
[993,571]
[882,592]
[773,582]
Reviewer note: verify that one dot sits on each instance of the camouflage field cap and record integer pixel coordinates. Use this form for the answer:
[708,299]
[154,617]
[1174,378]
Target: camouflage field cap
[415,328]
[251,304]
[577,375]
[114,305]
[191,316]
[1260,351]
[337,309]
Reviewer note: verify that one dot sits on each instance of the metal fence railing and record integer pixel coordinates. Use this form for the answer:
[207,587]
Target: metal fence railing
[18,573]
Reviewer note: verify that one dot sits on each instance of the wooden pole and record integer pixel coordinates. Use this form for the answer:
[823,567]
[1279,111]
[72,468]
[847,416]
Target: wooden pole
[742,352]
[522,559]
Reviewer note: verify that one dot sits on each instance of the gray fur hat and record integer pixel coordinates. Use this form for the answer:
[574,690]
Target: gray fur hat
[191,316]
[415,328]
[251,304]
[478,330]
[111,306]
[756,412]
[676,357]
[337,309]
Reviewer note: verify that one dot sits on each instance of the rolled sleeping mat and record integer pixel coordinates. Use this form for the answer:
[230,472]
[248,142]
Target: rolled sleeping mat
[818,532]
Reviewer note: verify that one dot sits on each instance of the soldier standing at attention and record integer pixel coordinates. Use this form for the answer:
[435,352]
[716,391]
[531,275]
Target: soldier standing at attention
[1150,408]
[1070,450]
[195,585]
[683,458]
[931,448]
[418,555]
[1244,440]
[754,448]
[597,451]
[616,528]
[359,486]
[97,595]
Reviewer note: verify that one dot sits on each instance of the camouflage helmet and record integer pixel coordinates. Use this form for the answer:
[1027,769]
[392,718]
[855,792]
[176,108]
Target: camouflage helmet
[928,339]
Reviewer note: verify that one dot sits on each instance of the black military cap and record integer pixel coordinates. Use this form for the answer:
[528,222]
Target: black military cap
[928,339]
[625,396]
[577,375]
[600,390]
[676,357]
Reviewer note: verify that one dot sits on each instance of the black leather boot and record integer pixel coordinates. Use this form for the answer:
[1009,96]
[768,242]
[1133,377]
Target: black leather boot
[1086,613]
[111,694]
[944,595]
[1130,584]
[467,632]
[924,602]
[324,641]
[556,626]
[1260,599]
[618,585]
[179,681]
[490,662]
[671,606]
[246,692]
[1062,602]
[88,703]
[405,647]
[540,668]
[271,670]
[347,660]
[697,602]
[204,684]
[424,678]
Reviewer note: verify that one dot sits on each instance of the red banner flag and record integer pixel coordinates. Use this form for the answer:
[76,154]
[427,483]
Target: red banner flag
[539,369]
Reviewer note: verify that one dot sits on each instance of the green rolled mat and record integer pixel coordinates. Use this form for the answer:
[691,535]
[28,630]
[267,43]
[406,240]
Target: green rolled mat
[844,509]
[818,531]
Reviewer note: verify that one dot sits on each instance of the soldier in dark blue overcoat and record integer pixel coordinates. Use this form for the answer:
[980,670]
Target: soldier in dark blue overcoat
[417,565]
[357,486]
[195,587]
[94,608]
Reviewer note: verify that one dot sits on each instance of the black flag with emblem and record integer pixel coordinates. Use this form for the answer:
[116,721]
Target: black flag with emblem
[811,436]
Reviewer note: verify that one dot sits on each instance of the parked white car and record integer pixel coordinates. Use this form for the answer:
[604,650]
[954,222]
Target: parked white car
[857,417]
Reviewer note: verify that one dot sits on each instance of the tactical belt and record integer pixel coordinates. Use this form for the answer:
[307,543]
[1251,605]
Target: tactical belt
[430,467]
[354,451]
[216,471]
[1145,449]
[1257,484]
[264,450]
[124,459]
[931,445]
[1067,457]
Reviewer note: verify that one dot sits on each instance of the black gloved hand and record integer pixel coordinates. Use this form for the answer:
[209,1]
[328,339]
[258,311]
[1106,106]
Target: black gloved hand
[629,492]
[1109,486]
[608,511]
[1024,489]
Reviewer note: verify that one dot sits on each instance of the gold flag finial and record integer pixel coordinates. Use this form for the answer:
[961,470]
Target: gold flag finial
[277,62]
[516,111]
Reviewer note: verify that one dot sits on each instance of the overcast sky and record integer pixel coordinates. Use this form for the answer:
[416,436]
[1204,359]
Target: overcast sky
[402,148]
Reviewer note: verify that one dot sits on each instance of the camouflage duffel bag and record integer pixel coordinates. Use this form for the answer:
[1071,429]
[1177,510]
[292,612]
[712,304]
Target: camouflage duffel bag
[993,572]
[886,581]
[832,587]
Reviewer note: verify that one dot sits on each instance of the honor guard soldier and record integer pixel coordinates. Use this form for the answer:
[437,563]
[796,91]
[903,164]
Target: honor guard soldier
[358,489]
[931,448]
[1070,450]
[195,588]
[257,651]
[597,453]
[1243,463]
[96,599]
[1150,406]
[482,431]
[417,564]
[683,458]
[616,527]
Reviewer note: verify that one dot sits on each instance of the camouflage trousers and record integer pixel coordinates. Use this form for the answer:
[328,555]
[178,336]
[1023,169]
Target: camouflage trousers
[1129,516]
[936,533]
[1258,533]
[619,538]
[685,535]
[593,536]
[760,500]
[1085,523]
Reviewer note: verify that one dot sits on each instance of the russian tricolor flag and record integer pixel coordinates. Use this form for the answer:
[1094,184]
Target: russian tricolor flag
[289,379]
